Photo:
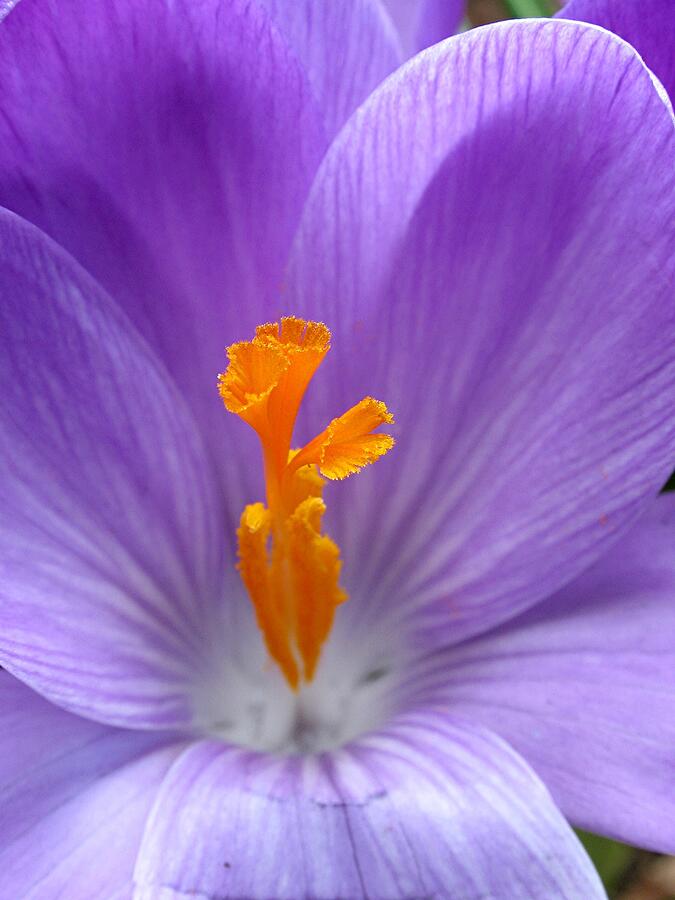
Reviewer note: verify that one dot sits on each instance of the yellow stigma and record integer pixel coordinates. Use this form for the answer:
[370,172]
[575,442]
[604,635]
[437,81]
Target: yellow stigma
[291,570]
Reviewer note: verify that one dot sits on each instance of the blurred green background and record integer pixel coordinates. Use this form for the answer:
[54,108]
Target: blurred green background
[481,12]
[627,872]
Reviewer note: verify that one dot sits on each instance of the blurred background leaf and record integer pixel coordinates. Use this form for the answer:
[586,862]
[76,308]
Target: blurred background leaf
[526,9]
[611,859]
[480,12]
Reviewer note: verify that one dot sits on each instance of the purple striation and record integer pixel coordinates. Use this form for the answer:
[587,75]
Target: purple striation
[487,230]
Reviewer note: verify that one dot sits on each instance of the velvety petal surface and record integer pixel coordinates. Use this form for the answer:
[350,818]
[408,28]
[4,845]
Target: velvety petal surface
[345,48]
[74,798]
[584,687]
[169,148]
[648,25]
[428,807]
[421,23]
[111,530]
[491,239]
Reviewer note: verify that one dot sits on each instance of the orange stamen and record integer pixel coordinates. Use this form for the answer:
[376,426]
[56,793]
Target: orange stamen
[289,568]
[348,444]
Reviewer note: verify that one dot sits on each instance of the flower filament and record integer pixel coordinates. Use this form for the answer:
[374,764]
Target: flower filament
[290,569]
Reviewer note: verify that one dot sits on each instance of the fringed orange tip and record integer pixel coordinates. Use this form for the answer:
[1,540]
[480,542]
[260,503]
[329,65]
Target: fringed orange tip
[290,569]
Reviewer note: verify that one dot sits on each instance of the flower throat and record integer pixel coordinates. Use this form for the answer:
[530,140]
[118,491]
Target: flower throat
[290,569]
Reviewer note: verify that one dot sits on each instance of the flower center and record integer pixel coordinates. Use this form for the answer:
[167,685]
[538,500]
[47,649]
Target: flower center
[290,569]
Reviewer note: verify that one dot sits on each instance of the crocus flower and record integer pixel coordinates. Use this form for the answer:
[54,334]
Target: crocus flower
[488,237]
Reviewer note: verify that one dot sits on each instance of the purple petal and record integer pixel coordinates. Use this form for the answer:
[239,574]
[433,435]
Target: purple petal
[584,687]
[111,532]
[426,808]
[646,24]
[6,6]
[493,243]
[421,23]
[169,148]
[74,798]
[346,49]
